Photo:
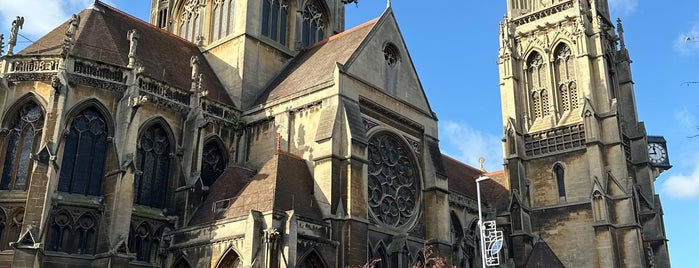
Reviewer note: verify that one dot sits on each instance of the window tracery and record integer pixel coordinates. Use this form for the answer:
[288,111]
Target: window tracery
[190,20]
[275,16]
[390,54]
[231,259]
[393,181]
[537,84]
[10,226]
[73,234]
[144,241]
[22,142]
[153,162]
[84,154]
[223,19]
[213,162]
[565,79]
[313,24]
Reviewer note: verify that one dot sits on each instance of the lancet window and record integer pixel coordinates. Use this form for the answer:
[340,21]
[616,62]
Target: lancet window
[21,142]
[275,19]
[559,173]
[153,163]
[231,259]
[84,154]
[223,19]
[314,24]
[144,241]
[213,162]
[537,85]
[565,79]
[73,234]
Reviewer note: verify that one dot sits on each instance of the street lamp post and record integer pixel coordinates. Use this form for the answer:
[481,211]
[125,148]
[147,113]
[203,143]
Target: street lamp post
[480,217]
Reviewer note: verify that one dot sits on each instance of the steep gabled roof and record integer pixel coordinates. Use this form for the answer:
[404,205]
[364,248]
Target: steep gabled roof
[462,177]
[102,37]
[313,67]
[284,183]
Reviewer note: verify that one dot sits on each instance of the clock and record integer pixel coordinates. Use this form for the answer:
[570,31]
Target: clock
[656,153]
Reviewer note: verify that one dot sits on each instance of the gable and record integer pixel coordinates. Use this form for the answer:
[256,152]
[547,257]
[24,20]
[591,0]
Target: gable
[369,64]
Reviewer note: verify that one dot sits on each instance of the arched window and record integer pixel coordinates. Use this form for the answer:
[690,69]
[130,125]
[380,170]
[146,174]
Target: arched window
[153,162]
[21,142]
[457,241]
[144,241]
[565,78]
[181,263]
[190,20]
[71,236]
[231,259]
[10,227]
[84,154]
[312,260]
[223,19]
[86,234]
[213,162]
[380,255]
[275,16]
[60,232]
[537,84]
[314,22]
[559,172]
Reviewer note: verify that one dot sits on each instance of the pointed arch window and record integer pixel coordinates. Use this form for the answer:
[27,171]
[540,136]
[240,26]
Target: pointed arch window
[190,20]
[21,142]
[231,259]
[84,154]
[213,162]
[144,241]
[275,17]
[223,19]
[537,85]
[10,227]
[565,79]
[559,173]
[73,236]
[312,260]
[314,24]
[153,164]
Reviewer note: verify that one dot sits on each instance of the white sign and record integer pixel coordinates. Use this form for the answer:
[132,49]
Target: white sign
[493,243]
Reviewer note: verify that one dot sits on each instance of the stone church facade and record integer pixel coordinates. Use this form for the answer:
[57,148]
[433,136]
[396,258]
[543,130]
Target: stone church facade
[240,133]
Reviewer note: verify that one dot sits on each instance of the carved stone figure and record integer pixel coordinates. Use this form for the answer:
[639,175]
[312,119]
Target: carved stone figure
[132,36]
[14,31]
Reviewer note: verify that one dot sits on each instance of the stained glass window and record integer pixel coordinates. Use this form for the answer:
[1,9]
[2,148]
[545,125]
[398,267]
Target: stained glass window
[213,162]
[537,83]
[393,183]
[153,162]
[275,16]
[84,154]
[313,24]
[223,19]
[22,141]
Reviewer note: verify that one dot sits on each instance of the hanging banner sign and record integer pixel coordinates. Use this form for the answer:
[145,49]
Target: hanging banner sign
[493,243]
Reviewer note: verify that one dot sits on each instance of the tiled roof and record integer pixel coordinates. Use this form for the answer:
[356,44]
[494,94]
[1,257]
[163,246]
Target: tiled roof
[462,177]
[496,190]
[284,183]
[313,68]
[102,37]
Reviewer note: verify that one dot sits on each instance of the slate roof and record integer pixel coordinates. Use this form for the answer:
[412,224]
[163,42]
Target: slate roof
[542,256]
[102,37]
[462,180]
[313,68]
[284,183]
[496,191]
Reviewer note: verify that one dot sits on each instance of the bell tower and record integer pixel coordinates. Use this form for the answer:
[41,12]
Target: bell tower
[247,42]
[575,152]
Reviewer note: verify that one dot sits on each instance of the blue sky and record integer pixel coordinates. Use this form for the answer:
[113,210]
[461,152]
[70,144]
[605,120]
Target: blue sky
[454,47]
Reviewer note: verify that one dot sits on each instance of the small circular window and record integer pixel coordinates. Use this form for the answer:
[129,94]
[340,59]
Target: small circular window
[393,181]
[390,54]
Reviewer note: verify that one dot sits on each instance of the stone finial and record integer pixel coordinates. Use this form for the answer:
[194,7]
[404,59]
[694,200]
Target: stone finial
[14,31]
[481,162]
[620,29]
[132,36]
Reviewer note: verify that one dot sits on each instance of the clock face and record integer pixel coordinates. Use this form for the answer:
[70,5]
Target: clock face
[656,153]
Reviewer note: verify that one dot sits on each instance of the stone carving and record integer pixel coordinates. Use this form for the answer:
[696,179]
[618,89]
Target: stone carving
[14,31]
[132,36]
[70,34]
[393,181]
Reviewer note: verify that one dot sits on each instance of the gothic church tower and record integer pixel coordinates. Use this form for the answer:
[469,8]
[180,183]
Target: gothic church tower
[248,42]
[575,153]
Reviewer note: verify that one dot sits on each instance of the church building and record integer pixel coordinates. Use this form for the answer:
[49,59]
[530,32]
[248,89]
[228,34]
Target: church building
[262,133]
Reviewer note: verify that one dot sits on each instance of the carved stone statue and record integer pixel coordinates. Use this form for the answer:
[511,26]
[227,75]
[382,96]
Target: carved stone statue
[132,36]
[14,31]
[194,62]
[73,25]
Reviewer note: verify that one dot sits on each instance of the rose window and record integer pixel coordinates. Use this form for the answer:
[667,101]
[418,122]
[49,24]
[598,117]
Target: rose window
[393,181]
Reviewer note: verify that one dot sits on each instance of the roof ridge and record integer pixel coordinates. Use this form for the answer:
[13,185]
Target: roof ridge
[343,33]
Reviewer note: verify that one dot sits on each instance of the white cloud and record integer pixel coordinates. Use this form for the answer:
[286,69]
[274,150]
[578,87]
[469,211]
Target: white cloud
[687,42]
[467,144]
[682,186]
[686,120]
[623,7]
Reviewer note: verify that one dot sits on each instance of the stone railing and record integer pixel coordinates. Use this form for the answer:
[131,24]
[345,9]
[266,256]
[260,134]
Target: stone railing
[99,71]
[543,13]
[219,111]
[33,64]
[164,91]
